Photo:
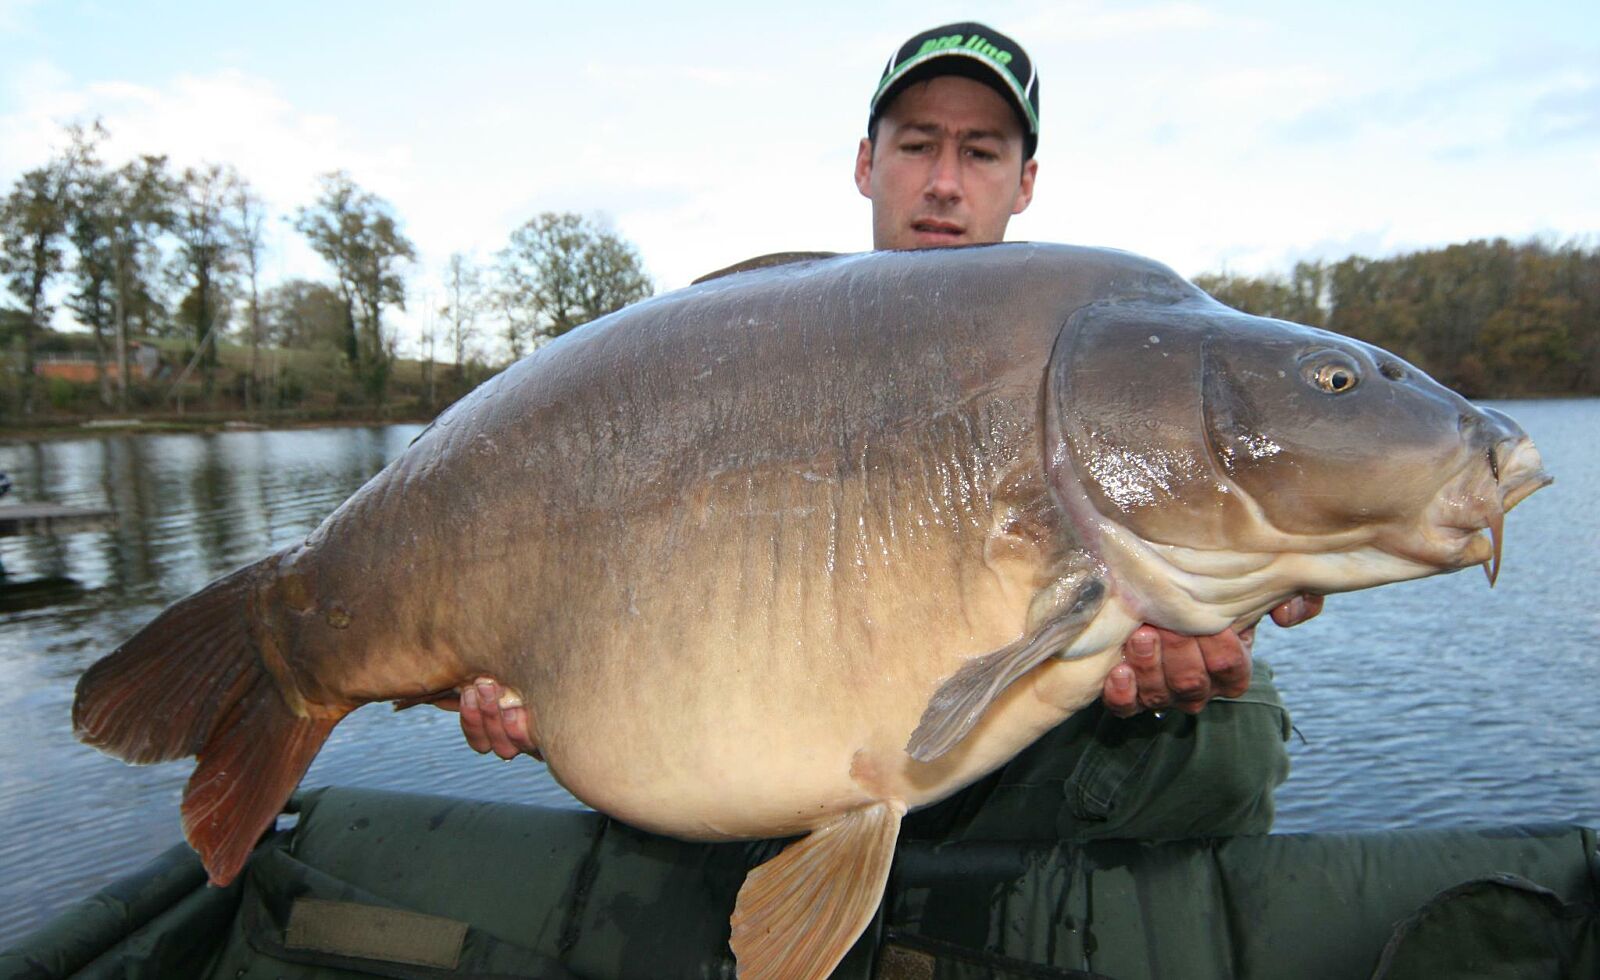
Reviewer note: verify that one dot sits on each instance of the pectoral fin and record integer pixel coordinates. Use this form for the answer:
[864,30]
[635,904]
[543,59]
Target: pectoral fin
[798,914]
[960,701]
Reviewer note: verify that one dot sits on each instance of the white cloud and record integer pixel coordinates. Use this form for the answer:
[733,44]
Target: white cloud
[228,117]
[1088,22]
[14,14]
[32,132]
[627,79]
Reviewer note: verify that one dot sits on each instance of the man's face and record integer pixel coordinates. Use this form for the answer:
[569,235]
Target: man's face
[946,168]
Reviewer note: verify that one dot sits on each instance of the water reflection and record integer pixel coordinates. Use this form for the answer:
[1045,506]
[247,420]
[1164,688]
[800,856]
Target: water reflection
[21,595]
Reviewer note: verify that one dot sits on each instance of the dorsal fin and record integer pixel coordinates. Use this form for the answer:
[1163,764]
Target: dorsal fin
[763,262]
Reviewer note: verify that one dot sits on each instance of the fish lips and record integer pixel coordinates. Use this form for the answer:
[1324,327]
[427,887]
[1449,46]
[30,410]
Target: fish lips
[1509,472]
[1519,471]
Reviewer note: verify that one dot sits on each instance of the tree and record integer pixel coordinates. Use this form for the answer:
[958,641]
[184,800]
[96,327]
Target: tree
[143,195]
[33,223]
[357,235]
[115,219]
[1301,298]
[249,217]
[91,201]
[303,314]
[508,297]
[206,243]
[91,209]
[463,291]
[429,346]
[562,270]
[1485,317]
[517,330]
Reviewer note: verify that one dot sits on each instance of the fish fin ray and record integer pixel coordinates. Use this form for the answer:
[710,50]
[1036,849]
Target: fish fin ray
[192,683]
[798,914]
[246,771]
[157,696]
[962,699]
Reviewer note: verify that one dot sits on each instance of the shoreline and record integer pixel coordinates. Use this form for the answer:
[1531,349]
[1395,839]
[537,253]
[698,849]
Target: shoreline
[78,428]
[89,428]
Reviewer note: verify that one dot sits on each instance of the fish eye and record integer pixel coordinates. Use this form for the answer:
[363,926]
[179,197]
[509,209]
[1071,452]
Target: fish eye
[1334,375]
[1335,378]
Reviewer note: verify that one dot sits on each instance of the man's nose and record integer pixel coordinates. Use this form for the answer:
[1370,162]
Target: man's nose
[944,179]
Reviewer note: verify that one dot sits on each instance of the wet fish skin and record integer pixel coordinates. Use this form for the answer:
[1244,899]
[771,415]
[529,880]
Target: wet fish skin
[802,547]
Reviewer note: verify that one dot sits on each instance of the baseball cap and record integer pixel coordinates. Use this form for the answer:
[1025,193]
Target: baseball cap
[971,50]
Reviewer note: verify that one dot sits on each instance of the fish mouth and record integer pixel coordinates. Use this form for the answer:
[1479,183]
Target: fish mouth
[1474,512]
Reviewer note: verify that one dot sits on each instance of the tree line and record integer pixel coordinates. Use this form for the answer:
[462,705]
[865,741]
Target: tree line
[147,250]
[1489,318]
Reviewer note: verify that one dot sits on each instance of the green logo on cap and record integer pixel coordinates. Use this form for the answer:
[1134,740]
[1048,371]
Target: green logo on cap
[975,42]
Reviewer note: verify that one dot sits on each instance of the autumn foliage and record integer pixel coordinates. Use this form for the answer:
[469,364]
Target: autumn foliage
[1489,318]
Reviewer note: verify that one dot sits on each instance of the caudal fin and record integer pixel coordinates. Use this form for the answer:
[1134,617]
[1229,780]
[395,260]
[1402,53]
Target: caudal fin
[192,683]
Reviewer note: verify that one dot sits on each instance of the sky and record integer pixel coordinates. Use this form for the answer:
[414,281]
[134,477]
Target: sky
[1213,136]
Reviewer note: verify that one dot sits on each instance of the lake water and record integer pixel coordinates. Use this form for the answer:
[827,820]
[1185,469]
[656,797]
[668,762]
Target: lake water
[1434,702]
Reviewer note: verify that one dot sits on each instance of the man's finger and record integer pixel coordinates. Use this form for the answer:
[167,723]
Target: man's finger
[472,720]
[1121,693]
[1143,652]
[1227,660]
[1184,664]
[489,697]
[1297,610]
[517,733]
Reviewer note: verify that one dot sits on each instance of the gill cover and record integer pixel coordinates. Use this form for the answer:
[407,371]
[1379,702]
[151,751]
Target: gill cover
[1125,390]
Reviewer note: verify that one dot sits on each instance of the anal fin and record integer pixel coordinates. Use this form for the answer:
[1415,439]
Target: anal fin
[798,914]
[961,700]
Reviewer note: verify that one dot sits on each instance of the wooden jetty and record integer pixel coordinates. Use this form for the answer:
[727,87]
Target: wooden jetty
[18,519]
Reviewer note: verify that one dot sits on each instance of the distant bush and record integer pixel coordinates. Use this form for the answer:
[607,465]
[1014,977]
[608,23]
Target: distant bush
[291,390]
[143,396]
[62,393]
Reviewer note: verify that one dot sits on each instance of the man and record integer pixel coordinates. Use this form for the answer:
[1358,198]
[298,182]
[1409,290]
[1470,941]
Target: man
[947,160]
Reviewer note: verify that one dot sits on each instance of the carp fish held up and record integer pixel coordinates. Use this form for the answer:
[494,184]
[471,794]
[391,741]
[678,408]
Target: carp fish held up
[800,548]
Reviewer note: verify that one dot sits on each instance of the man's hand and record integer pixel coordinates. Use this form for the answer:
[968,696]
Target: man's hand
[1163,669]
[493,719]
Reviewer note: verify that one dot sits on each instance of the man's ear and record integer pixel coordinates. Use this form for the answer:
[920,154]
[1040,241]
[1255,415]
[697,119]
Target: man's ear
[864,167]
[1025,189]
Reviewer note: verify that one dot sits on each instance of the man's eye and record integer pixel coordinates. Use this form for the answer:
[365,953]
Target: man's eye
[978,153]
[914,147]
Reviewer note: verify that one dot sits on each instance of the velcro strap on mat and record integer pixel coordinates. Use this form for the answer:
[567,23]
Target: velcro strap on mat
[375,933]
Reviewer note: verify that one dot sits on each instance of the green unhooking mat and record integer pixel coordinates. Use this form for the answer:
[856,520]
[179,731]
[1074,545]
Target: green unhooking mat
[374,884]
